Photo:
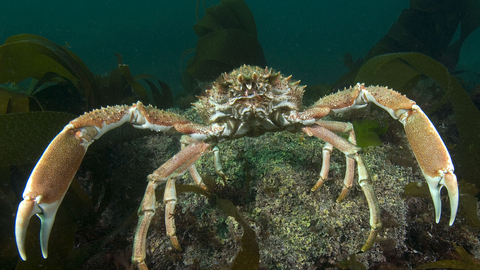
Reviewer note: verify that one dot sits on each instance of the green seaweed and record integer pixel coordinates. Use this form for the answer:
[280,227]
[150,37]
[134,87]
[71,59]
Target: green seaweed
[351,263]
[26,135]
[61,79]
[429,27]
[25,55]
[466,262]
[11,102]
[367,132]
[401,70]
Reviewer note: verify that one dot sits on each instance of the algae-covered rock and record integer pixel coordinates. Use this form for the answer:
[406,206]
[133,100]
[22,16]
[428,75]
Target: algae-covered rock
[269,180]
[297,228]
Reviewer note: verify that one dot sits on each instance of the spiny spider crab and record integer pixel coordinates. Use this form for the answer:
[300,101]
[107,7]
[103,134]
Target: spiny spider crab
[249,101]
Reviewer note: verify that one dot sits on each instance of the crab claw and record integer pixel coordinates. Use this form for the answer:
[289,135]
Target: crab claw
[49,182]
[435,184]
[433,157]
[27,208]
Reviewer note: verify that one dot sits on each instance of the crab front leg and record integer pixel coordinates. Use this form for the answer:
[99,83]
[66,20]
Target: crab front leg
[426,143]
[351,152]
[338,127]
[168,172]
[56,168]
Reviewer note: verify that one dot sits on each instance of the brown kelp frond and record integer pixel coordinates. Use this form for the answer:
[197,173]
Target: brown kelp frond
[25,55]
[162,98]
[25,135]
[227,39]
[62,81]
[351,263]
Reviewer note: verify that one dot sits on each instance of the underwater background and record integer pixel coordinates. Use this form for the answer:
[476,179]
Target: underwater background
[327,45]
[307,39]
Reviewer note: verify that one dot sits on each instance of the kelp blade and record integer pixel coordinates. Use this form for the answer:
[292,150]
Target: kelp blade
[224,50]
[27,55]
[25,136]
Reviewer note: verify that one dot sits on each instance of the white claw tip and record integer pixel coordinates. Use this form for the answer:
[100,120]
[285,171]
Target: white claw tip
[452,188]
[435,184]
[26,209]
[437,202]
[452,220]
[23,255]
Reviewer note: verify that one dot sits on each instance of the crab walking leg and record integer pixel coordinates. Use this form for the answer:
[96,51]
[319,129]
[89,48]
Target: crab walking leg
[340,127]
[55,170]
[218,163]
[373,205]
[196,177]
[326,153]
[170,201]
[351,151]
[174,167]
[145,215]
[348,180]
[185,141]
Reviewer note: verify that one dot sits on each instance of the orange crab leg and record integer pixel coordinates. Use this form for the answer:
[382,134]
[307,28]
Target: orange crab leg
[351,151]
[339,127]
[426,143]
[174,167]
[55,170]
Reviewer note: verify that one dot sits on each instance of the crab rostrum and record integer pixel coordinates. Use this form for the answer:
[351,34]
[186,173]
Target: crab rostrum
[249,101]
